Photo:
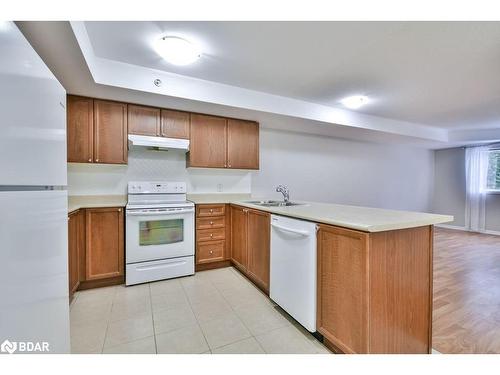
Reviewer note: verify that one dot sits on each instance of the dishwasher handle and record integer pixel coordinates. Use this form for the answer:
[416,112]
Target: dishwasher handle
[304,233]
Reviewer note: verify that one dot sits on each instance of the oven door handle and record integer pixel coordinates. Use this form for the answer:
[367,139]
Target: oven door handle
[159,212]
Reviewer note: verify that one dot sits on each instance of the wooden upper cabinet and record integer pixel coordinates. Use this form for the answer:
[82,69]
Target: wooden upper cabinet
[80,125]
[110,132]
[174,124]
[143,120]
[104,245]
[242,144]
[258,245]
[239,253]
[342,314]
[208,142]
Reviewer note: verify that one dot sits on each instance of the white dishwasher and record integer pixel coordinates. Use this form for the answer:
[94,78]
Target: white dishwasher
[293,268]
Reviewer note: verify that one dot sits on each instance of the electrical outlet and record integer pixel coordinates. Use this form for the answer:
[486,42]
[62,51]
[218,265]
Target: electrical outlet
[220,188]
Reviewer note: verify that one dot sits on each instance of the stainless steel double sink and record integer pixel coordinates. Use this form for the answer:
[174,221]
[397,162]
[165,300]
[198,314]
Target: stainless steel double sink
[271,203]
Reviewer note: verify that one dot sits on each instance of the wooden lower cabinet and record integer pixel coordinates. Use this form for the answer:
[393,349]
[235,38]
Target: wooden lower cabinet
[74,251]
[258,248]
[104,245]
[375,290]
[95,248]
[250,244]
[239,230]
[212,236]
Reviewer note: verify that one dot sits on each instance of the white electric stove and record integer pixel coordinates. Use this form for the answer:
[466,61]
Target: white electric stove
[159,232]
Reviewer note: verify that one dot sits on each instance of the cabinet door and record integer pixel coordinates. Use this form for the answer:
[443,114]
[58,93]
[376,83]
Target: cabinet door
[208,142]
[258,244]
[143,120]
[242,144]
[239,253]
[174,124]
[73,261]
[104,245]
[110,132]
[80,129]
[343,288]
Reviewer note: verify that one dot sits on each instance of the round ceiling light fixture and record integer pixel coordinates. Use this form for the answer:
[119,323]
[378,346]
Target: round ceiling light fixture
[355,101]
[177,51]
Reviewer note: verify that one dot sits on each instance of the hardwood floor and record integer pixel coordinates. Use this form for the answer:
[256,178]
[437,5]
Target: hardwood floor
[466,312]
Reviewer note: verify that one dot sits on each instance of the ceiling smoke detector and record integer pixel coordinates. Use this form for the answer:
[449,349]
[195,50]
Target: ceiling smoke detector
[177,51]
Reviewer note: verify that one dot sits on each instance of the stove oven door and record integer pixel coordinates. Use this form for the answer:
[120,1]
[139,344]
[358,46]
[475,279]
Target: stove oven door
[159,234]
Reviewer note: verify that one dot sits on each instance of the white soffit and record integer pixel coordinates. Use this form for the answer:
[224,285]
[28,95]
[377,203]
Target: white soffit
[119,74]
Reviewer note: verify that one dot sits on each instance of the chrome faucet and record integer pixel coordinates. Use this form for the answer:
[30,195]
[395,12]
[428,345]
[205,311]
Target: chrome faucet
[284,190]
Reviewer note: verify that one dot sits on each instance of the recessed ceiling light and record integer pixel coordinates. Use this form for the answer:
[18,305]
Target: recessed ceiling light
[177,51]
[355,101]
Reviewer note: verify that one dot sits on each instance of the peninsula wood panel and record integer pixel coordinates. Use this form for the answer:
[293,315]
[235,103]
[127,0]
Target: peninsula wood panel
[175,124]
[239,250]
[401,291]
[242,144]
[258,247]
[104,243]
[110,132]
[342,315]
[143,120]
[208,142]
[80,129]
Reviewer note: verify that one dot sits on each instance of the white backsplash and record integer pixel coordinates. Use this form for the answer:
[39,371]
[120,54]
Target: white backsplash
[147,165]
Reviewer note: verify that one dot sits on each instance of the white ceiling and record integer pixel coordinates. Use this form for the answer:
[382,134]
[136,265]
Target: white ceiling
[443,74]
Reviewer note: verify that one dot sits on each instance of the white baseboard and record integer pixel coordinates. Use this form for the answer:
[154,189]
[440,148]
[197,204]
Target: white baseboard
[493,232]
[456,227]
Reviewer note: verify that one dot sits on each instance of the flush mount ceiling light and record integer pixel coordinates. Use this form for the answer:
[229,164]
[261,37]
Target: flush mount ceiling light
[355,101]
[177,51]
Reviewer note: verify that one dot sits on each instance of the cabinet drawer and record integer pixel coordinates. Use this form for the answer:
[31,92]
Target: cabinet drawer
[210,210]
[210,235]
[210,222]
[210,251]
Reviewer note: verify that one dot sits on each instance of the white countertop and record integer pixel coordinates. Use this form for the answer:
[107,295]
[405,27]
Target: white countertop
[76,202]
[354,217]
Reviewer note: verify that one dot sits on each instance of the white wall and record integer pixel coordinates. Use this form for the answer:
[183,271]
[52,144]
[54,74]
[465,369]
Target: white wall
[449,193]
[449,184]
[315,168]
[147,165]
[335,170]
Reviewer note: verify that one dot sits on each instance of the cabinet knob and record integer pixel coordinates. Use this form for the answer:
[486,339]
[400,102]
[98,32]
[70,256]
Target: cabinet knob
[225,165]
[211,223]
[119,210]
[211,251]
[97,160]
[229,165]
[90,159]
[211,235]
[211,210]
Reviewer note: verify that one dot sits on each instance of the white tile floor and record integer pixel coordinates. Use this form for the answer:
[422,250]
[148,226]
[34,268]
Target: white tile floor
[216,311]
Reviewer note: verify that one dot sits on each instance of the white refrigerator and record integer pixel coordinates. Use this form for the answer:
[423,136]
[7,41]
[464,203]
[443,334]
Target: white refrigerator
[33,201]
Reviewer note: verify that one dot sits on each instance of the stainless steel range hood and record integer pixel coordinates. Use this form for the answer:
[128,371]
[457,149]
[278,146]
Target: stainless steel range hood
[158,143]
